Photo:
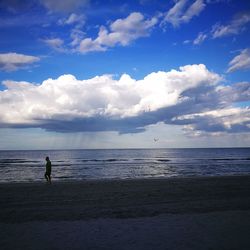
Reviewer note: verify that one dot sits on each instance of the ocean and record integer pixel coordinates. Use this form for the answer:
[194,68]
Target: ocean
[29,165]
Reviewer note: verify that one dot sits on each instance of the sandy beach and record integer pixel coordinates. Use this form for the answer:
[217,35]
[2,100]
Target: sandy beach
[175,213]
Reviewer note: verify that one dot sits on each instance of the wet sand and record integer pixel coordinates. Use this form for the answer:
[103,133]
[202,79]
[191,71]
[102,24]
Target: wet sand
[177,213]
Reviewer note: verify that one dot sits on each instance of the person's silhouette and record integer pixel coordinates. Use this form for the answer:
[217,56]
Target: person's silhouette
[47,174]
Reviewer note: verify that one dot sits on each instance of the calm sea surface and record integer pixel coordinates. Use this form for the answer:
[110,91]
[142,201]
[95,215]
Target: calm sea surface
[23,166]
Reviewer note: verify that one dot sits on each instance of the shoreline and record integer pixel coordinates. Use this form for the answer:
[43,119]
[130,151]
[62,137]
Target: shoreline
[175,213]
[84,200]
[79,181]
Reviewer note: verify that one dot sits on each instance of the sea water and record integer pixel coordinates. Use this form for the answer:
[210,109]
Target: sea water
[29,166]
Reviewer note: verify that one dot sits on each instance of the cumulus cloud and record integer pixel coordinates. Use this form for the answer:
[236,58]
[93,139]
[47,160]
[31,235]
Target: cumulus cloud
[13,61]
[220,117]
[238,92]
[183,11]
[63,6]
[236,26]
[120,32]
[217,121]
[191,96]
[240,62]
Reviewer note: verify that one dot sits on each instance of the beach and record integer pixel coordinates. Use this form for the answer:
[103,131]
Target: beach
[170,213]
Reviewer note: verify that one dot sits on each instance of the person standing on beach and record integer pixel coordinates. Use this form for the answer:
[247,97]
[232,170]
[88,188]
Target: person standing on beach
[47,174]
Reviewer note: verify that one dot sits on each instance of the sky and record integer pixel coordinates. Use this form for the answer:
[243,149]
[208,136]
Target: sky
[78,74]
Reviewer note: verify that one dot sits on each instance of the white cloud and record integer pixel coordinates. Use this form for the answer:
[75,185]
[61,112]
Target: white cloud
[186,41]
[240,62]
[77,36]
[238,92]
[183,11]
[63,6]
[73,19]
[191,97]
[88,45]
[101,98]
[55,43]
[218,121]
[200,38]
[236,26]
[120,32]
[13,61]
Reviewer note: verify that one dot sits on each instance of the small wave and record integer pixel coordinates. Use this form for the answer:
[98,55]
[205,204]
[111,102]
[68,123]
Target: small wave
[61,165]
[110,160]
[163,160]
[64,177]
[103,160]
[13,161]
[230,159]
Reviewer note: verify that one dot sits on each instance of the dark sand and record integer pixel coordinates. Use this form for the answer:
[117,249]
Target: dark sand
[177,213]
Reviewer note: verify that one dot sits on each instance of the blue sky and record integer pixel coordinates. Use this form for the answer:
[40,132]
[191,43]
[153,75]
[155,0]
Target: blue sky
[117,74]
